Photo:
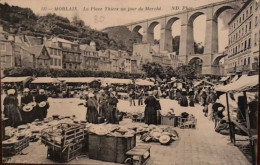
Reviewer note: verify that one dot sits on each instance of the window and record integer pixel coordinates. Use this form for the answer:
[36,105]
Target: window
[244,61]
[255,39]
[243,16]
[76,66]
[245,45]
[246,29]
[2,46]
[249,42]
[64,66]
[70,66]
[248,60]
[3,59]
[51,61]
[55,52]
[251,9]
[59,62]
[239,19]
[55,62]
[247,13]
[256,21]
[250,25]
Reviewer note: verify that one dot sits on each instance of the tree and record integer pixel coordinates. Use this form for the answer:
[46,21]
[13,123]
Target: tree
[169,72]
[154,70]
[186,72]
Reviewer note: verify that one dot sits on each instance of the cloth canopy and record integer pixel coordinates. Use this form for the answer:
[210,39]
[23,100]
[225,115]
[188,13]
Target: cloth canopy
[142,82]
[15,79]
[77,79]
[244,83]
[45,80]
[224,78]
[173,79]
[203,81]
[116,81]
[235,78]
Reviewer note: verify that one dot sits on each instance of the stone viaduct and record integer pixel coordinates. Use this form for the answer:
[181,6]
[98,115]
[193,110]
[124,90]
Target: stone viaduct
[211,56]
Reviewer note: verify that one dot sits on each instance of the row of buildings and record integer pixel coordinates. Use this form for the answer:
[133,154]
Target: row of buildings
[244,35]
[58,53]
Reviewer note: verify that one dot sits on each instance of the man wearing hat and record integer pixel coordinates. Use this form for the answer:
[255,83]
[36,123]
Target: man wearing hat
[41,100]
[26,99]
[112,109]
[11,109]
[102,103]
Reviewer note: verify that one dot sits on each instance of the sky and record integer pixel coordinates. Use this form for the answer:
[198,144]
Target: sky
[89,11]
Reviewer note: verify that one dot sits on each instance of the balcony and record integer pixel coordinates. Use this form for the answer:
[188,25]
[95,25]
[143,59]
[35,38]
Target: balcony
[71,60]
[231,70]
[243,68]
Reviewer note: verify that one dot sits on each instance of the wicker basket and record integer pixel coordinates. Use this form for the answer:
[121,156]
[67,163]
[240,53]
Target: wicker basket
[15,148]
[73,134]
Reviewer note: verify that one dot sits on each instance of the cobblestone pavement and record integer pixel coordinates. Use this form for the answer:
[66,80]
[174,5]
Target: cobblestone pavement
[200,146]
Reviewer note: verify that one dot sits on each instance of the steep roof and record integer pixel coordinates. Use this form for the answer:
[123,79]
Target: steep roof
[36,50]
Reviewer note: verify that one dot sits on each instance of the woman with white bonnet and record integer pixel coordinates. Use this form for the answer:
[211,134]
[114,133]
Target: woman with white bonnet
[28,116]
[92,110]
[42,107]
[11,110]
[150,113]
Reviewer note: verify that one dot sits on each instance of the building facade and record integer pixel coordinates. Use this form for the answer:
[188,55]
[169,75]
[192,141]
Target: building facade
[6,52]
[242,31]
[55,53]
[71,54]
[90,57]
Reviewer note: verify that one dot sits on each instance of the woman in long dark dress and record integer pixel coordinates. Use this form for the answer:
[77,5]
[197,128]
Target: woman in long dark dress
[11,109]
[41,112]
[26,99]
[92,110]
[183,99]
[191,97]
[150,113]
[112,109]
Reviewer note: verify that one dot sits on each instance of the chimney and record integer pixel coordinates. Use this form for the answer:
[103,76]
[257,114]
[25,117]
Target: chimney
[42,40]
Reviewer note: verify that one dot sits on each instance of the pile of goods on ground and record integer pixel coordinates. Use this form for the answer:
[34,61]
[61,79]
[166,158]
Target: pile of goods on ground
[187,120]
[162,134]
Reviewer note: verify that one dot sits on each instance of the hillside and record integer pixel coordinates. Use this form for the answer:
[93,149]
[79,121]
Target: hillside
[17,20]
[124,36]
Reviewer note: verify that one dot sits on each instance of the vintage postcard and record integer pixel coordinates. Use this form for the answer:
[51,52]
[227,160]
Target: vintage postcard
[156,82]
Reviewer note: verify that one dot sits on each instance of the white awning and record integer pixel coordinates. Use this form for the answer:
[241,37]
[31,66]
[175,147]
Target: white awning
[142,82]
[234,78]
[77,79]
[224,78]
[203,81]
[45,80]
[173,79]
[15,79]
[244,83]
[116,81]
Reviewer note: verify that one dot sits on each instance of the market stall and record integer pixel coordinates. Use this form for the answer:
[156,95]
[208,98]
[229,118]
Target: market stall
[244,84]
[19,82]
[51,85]
[141,82]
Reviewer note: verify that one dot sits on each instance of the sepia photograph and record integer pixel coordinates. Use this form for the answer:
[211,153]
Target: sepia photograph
[135,82]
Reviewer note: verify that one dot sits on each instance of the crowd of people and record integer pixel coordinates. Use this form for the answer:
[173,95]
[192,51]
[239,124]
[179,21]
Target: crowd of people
[101,103]
[29,109]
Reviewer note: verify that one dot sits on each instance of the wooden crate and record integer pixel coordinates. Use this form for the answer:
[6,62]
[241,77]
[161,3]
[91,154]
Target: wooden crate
[169,120]
[66,154]
[15,148]
[109,148]
[75,133]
